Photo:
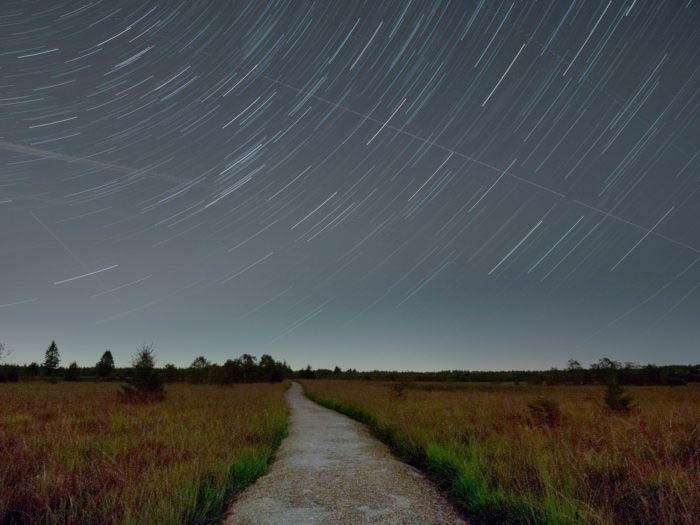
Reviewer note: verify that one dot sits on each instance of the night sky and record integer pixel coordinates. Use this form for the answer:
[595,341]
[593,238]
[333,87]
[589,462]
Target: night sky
[397,184]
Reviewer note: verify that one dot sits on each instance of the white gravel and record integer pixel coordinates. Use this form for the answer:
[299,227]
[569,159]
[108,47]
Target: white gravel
[331,470]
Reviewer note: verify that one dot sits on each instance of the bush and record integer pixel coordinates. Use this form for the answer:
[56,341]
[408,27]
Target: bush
[545,412]
[617,399]
[145,384]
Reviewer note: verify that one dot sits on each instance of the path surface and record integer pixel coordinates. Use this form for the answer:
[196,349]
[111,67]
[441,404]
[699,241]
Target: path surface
[331,470]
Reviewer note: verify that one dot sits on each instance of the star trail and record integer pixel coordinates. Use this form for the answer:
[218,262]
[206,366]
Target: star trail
[396,184]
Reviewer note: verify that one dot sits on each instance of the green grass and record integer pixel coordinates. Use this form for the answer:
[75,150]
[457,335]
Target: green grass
[212,497]
[459,474]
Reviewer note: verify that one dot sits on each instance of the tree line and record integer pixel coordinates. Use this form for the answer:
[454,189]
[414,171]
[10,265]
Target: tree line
[244,369]
[248,368]
[574,374]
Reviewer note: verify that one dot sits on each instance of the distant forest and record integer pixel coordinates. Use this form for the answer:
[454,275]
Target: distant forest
[601,372]
[248,368]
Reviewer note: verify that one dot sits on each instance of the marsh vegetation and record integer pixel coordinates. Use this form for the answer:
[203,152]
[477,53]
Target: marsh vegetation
[73,453]
[541,454]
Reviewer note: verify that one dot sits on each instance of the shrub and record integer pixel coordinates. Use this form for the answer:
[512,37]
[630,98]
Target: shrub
[618,399]
[545,412]
[145,383]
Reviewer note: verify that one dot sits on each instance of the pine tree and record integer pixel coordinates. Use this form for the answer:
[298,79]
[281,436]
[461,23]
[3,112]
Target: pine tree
[618,399]
[51,359]
[105,366]
[145,383]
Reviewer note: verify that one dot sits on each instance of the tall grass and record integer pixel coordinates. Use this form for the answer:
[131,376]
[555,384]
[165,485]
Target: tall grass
[492,452]
[71,453]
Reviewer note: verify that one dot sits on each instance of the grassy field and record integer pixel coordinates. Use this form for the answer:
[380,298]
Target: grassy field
[504,463]
[71,453]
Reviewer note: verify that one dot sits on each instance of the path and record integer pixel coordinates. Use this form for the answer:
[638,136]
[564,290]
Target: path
[331,470]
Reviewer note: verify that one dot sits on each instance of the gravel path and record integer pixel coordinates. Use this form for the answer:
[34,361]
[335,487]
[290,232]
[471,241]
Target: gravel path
[331,470]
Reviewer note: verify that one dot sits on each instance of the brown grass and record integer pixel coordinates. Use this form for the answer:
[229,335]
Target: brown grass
[71,453]
[585,464]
